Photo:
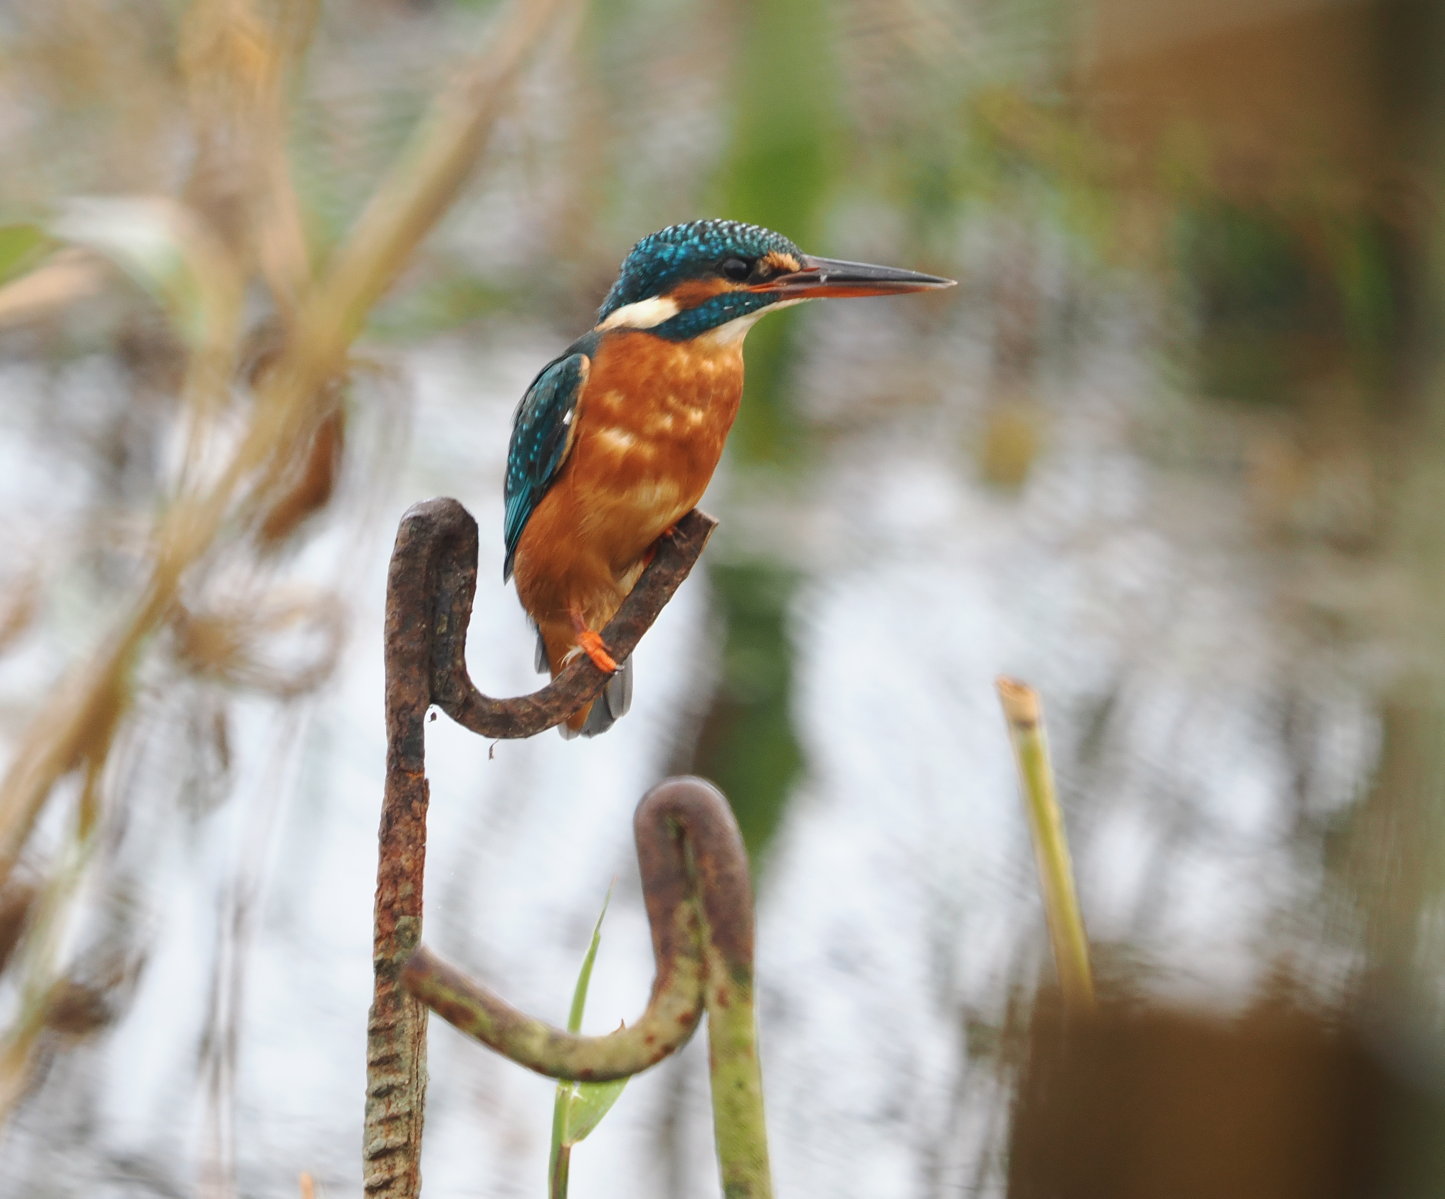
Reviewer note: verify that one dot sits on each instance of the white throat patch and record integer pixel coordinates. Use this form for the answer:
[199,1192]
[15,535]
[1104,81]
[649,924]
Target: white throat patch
[737,328]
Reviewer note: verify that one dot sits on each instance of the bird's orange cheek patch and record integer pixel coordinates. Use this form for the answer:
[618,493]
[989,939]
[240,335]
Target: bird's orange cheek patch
[693,292]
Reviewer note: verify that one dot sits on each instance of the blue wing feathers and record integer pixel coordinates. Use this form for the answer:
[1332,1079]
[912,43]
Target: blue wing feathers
[541,437]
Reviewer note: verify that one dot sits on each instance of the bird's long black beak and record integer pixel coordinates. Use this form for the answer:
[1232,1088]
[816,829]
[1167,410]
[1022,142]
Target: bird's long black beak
[820,277]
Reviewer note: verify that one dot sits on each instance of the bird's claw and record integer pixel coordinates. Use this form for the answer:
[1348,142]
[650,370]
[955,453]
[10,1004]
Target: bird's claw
[651,552]
[590,643]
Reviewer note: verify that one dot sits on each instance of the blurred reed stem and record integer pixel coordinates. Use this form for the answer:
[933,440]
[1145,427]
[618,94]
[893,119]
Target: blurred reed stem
[75,724]
[1024,713]
[76,720]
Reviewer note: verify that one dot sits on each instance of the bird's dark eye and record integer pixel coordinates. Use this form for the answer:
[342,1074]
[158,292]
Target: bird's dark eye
[735,269]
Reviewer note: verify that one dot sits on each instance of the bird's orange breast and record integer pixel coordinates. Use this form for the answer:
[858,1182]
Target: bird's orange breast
[649,431]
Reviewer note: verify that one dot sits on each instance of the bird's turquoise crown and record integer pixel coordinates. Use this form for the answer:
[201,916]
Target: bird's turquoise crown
[662,260]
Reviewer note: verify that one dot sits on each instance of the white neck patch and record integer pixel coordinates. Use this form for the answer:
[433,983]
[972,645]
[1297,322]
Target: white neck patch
[644,314]
[737,328]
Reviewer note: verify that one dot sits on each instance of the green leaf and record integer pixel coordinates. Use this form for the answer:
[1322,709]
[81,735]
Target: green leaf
[579,1106]
[584,976]
[586,1105]
[20,245]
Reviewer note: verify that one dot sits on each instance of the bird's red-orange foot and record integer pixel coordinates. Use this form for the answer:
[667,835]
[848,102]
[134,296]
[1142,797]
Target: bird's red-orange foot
[590,642]
[651,552]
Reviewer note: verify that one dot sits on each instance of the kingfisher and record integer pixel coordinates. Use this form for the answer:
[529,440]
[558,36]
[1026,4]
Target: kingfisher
[616,439]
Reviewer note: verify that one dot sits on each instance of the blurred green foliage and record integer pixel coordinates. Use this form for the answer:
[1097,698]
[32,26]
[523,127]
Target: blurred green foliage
[21,247]
[747,744]
[781,170]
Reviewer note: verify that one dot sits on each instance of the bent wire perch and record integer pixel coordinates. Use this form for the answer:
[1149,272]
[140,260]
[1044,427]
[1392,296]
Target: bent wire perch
[699,905]
[432,580]
[693,864]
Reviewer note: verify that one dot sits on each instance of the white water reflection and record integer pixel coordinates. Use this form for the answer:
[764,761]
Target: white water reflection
[898,907]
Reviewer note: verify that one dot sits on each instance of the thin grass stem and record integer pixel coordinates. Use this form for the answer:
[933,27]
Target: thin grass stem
[1024,712]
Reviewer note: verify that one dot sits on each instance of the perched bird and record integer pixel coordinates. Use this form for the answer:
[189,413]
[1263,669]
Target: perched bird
[616,439]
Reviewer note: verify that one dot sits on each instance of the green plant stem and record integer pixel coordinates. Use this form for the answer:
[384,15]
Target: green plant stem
[737,1080]
[560,1166]
[1025,717]
[560,1173]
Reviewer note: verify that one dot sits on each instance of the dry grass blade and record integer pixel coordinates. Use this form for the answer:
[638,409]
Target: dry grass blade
[64,278]
[74,726]
[18,605]
[238,66]
[74,722]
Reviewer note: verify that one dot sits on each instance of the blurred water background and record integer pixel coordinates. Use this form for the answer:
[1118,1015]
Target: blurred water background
[1171,452]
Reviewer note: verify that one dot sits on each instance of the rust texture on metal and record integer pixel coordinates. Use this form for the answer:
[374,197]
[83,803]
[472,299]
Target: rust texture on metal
[690,853]
[687,820]
[453,566]
[671,1017]
[430,586]
[396,1028]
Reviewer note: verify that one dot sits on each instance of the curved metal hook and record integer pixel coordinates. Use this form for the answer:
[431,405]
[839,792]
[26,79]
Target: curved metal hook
[434,577]
[693,865]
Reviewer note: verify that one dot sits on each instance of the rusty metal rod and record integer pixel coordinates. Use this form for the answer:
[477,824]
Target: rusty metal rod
[683,828]
[430,585]
[450,557]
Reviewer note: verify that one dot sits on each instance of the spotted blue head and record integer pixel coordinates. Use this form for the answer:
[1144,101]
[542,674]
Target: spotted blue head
[719,276]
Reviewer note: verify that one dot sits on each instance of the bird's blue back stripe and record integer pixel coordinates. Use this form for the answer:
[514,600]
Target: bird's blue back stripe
[541,436]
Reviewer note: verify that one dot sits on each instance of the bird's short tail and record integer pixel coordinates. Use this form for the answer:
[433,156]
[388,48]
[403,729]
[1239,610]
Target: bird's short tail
[603,712]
